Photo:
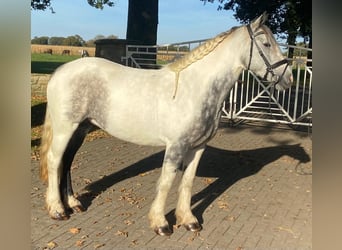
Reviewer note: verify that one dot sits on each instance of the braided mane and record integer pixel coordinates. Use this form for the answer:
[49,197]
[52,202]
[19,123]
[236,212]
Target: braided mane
[197,54]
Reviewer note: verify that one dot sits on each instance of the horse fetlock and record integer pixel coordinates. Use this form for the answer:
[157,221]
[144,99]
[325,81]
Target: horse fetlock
[74,204]
[159,223]
[184,217]
[189,221]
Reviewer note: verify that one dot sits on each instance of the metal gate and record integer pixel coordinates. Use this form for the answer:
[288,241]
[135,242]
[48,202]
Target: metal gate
[250,98]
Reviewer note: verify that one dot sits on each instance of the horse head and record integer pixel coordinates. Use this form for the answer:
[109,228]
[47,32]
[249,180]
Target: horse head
[265,57]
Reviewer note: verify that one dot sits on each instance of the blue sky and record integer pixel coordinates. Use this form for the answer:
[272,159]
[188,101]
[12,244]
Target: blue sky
[179,20]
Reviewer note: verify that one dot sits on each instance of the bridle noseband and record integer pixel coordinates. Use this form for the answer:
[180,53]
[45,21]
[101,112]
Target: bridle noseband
[270,67]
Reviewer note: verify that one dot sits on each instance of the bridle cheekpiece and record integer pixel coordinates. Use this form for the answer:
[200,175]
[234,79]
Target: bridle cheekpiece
[270,67]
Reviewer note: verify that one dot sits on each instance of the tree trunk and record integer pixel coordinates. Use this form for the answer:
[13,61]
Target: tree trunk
[142,26]
[142,21]
[309,63]
[291,40]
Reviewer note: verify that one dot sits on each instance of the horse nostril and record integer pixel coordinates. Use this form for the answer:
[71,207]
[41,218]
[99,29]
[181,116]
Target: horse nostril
[291,78]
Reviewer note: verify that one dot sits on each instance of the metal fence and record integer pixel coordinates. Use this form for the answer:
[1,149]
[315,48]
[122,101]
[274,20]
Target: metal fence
[250,98]
[140,56]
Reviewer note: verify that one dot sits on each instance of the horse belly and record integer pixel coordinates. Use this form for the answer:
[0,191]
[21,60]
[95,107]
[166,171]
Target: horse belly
[133,122]
[134,133]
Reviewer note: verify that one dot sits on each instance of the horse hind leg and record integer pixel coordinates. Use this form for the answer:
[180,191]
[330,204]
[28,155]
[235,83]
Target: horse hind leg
[61,134]
[66,190]
[183,211]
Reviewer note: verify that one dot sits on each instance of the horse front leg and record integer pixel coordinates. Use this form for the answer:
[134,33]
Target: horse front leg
[183,211]
[172,159]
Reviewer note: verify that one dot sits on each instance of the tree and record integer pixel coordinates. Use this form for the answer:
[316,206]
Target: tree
[40,40]
[112,37]
[99,4]
[141,24]
[44,4]
[289,17]
[40,4]
[56,40]
[91,42]
[305,24]
[98,37]
[142,21]
[75,40]
[142,17]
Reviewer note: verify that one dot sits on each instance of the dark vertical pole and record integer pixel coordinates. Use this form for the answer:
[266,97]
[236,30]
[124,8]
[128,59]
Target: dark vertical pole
[310,52]
[142,23]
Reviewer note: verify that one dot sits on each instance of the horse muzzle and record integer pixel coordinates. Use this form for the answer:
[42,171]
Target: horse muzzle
[282,82]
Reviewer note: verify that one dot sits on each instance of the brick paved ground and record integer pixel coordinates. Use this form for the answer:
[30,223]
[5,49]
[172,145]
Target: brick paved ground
[253,190]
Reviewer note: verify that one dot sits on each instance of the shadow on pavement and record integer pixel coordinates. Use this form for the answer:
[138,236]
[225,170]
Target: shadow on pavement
[97,187]
[232,166]
[226,165]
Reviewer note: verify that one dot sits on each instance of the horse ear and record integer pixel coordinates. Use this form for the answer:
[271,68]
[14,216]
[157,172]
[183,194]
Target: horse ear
[257,22]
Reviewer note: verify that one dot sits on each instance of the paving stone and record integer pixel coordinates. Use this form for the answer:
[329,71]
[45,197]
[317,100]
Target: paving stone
[253,190]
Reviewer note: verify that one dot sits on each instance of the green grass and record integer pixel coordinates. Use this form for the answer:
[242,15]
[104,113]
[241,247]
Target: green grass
[162,62]
[47,64]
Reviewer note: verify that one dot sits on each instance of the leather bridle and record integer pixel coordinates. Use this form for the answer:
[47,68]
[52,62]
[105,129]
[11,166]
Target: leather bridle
[270,67]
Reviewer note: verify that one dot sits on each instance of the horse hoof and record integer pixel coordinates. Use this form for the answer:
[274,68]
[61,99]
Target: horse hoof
[163,231]
[59,216]
[78,209]
[193,227]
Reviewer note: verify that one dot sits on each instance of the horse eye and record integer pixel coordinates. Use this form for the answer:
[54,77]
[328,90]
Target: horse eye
[267,45]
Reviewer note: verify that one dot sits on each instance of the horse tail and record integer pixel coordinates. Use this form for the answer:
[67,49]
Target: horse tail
[45,145]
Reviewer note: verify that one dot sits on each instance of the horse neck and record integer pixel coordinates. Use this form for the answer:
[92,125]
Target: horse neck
[221,68]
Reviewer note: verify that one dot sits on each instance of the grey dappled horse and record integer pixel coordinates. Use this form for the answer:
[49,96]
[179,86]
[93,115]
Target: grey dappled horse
[177,106]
